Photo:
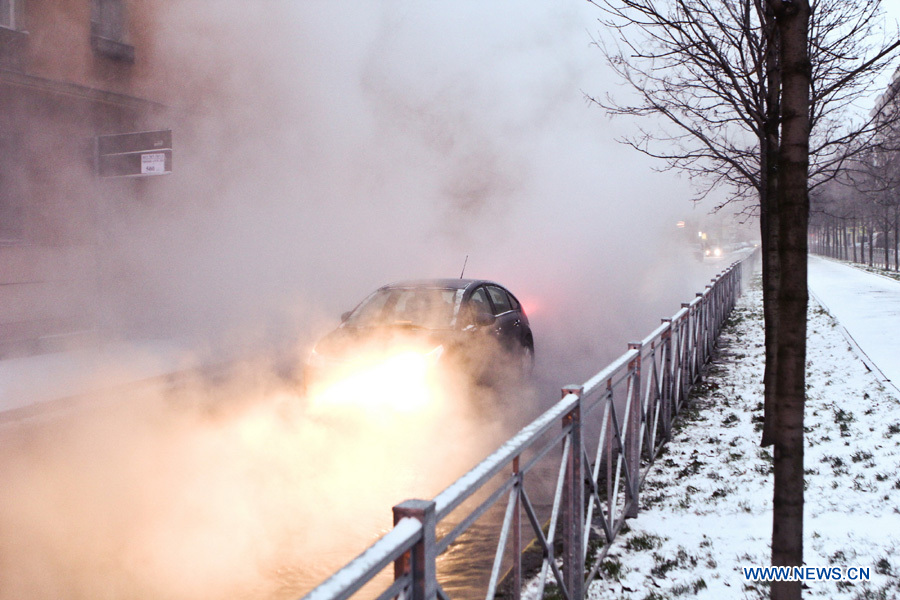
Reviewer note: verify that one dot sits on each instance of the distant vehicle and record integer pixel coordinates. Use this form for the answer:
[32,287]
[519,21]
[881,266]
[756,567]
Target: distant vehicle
[475,325]
[711,249]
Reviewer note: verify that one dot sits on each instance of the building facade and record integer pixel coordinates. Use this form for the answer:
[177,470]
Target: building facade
[70,71]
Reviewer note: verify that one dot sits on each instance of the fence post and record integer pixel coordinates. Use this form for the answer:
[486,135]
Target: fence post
[611,457]
[685,344]
[668,393]
[573,503]
[517,532]
[702,323]
[633,437]
[710,299]
[420,561]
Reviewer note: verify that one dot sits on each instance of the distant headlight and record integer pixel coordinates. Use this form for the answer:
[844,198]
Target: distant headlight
[717,252]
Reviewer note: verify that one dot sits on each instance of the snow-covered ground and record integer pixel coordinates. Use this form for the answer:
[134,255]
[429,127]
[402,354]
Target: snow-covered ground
[706,505]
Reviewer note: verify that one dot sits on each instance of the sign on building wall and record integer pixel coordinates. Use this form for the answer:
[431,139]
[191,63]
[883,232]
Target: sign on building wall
[134,154]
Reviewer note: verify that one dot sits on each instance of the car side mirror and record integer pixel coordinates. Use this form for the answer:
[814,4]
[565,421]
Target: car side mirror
[482,319]
[346,315]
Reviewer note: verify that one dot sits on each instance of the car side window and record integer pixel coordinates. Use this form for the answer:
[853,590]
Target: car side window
[500,300]
[479,302]
[513,303]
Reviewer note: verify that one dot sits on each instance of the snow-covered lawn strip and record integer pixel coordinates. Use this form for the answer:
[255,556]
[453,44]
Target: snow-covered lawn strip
[706,505]
[889,273]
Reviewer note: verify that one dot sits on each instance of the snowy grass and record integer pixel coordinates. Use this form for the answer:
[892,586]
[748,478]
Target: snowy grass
[706,505]
[877,270]
[890,273]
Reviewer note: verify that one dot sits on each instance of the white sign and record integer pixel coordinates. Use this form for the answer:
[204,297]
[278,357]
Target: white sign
[153,164]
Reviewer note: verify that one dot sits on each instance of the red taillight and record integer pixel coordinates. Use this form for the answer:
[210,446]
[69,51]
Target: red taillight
[530,306]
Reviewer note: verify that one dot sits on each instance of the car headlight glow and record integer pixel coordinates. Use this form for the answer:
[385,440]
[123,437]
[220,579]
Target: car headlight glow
[401,382]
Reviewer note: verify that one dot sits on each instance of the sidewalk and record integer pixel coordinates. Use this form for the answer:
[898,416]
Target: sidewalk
[31,381]
[867,306]
[706,506]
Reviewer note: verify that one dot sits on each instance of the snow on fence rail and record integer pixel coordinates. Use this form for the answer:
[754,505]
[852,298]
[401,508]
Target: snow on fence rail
[597,443]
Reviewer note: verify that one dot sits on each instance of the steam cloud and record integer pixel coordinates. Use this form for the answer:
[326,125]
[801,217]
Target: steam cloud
[321,152]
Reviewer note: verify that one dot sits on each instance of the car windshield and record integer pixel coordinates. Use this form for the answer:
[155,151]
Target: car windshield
[430,308]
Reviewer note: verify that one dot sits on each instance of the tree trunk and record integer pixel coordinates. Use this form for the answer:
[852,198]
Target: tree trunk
[884,239]
[839,240]
[897,238]
[871,246]
[790,383]
[769,222]
[845,243]
[887,247]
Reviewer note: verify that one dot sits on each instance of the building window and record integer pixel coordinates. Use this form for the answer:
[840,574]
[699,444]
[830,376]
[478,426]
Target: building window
[11,189]
[11,14]
[13,38]
[109,30]
[108,19]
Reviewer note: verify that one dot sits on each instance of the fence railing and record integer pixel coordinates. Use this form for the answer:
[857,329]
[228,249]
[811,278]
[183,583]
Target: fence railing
[598,443]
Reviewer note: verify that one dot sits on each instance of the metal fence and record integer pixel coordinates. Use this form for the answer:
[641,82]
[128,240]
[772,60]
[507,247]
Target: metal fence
[600,440]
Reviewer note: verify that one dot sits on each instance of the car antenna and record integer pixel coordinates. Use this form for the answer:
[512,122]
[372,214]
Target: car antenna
[464,267]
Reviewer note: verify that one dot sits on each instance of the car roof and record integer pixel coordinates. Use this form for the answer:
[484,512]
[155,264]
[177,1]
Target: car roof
[452,284]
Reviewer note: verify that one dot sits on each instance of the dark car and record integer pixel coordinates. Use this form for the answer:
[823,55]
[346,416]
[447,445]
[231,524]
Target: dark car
[475,325]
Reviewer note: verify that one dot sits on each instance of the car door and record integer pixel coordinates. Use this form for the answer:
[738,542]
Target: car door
[507,324]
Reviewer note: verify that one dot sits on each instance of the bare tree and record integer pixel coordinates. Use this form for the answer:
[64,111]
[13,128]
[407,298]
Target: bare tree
[792,18]
[857,215]
[711,69]
[869,185]
[756,96]
[836,215]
